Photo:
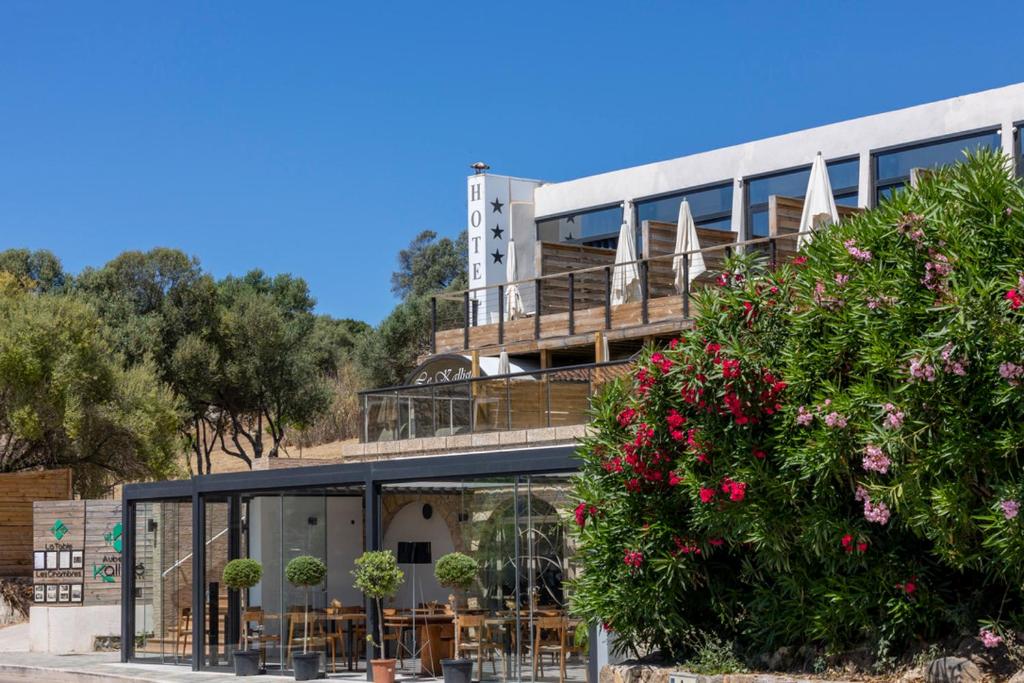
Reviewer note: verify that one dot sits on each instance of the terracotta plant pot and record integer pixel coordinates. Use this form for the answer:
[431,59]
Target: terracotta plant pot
[383,670]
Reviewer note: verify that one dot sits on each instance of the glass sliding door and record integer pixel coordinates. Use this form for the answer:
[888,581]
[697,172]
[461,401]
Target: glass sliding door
[513,623]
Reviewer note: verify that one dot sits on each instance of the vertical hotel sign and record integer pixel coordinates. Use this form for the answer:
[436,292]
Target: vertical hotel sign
[488,211]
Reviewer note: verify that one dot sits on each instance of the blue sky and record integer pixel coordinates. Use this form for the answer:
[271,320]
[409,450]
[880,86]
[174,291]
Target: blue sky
[319,137]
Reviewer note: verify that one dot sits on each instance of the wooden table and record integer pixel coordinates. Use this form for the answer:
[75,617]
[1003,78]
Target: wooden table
[349,619]
[431,630]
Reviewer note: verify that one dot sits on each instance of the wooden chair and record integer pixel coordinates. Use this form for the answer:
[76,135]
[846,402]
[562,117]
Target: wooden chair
[182,631]
[255,615]
[472,635]
[296,627]
[551,636]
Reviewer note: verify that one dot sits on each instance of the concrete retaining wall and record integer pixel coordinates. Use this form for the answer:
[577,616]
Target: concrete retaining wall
[59,630]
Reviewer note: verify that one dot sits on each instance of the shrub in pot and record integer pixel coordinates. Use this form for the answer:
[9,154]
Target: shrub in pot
[457,571]
[241,575]
[304,572]
[377,576]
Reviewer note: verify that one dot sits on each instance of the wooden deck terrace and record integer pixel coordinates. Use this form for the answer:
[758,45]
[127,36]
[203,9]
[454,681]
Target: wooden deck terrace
[575,304]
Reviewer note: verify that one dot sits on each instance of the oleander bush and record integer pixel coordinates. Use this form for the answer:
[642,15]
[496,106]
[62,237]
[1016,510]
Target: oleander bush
[832,457]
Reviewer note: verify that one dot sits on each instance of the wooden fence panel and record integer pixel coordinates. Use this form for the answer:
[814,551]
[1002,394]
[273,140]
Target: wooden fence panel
[18,490]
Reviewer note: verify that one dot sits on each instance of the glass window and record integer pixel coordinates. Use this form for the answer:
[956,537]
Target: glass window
[842,175]
[1018,150]
[892,169]
[585,227]
[711,207]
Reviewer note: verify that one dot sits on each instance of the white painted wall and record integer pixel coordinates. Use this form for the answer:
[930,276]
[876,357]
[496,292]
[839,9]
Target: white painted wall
[408,524]
[997,108]
[64,630]
[337,539]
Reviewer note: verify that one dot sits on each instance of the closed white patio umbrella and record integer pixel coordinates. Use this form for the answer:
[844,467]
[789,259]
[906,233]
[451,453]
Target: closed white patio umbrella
[819,204]
[504,367]
[513,299]
[686,240]
[626,276]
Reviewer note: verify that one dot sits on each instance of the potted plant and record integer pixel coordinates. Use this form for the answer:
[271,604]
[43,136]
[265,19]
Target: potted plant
[378,577]
[241,575]
[304,572]
[456,571]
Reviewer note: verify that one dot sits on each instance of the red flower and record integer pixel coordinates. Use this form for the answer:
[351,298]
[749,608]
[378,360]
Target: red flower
[707,495]
[737,490]
[674,419]
[581,514]
[862,547]
[715,541]
[673,344]
[633,558]
[799,260]
[1015,299]
[626,417]
[759,454]
[674,479]
[847,543]
[730,369]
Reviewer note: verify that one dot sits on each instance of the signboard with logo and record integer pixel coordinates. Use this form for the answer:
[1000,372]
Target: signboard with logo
[77,555]
[442,369]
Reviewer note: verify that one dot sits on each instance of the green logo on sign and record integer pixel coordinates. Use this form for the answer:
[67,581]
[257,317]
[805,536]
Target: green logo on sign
[113,537]
[104,572]
[58,529]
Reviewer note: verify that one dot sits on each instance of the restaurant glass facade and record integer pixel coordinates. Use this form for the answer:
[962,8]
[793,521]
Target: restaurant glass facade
[513,622]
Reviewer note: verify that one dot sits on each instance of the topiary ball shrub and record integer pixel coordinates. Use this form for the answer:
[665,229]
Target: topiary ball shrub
[456,570]
[377,574]
[242,573]
[831,459]
[304,571]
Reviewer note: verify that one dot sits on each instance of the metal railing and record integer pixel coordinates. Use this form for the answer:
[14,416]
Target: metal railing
[523,400]
[461,309]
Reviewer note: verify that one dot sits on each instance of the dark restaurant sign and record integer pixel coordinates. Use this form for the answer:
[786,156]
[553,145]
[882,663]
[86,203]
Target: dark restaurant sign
[442,369]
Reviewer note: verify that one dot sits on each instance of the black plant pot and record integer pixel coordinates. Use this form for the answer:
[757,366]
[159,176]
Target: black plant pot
[457,670]
[306,665]
[247,663]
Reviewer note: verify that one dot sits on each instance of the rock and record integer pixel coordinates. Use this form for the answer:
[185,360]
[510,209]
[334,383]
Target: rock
[1017,677]
[952,670]
[912,676]
[779,661]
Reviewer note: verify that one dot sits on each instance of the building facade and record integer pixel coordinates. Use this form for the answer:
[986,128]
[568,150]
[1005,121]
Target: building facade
[476,452]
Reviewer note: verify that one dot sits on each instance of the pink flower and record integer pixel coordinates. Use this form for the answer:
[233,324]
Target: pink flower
[921,370]
[893,417]
[875,459]
[1010,508]
[835,420]
[989,639]
[842,279]
[955,366]
[1011,372]
[804,417]
[873,512]
[861,255]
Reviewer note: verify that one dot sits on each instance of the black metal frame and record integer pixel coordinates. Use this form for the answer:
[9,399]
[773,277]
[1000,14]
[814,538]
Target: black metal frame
[370,475]
[878,184]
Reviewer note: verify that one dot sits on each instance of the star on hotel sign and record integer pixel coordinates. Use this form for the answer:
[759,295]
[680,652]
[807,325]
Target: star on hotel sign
[496,206]
[497,256]
[496,231]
